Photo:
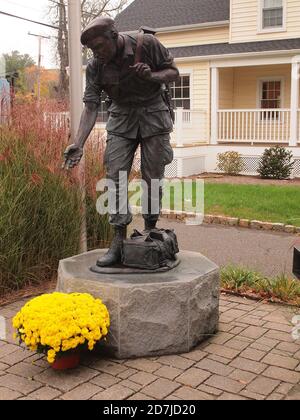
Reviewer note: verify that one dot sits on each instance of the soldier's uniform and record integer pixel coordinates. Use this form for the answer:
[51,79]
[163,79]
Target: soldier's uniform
[138,114]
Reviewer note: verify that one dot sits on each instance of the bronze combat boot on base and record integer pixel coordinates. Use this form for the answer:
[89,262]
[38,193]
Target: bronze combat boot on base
[113,256]
[149,225]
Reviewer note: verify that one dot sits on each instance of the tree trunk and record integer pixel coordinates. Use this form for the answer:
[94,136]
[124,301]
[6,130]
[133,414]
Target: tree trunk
[90,10]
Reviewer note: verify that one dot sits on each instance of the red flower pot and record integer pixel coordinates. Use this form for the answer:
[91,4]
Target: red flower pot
[68,361]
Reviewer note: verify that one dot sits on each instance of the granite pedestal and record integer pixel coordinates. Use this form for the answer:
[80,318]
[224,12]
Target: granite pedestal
[151,314]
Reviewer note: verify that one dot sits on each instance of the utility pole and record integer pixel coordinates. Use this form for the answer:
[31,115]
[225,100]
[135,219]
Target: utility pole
[40,38]
[75,64]
[76,105]
[62,47]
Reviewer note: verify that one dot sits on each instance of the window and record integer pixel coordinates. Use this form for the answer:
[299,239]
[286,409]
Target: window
[181,93]
[272,14]
[271,94]
[270,97]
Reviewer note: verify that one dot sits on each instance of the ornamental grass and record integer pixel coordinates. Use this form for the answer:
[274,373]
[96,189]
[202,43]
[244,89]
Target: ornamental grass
[40,204]
[282,288]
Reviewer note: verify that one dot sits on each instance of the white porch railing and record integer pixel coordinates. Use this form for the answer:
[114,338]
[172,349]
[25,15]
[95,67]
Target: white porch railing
[254,125]
[61,120]
[57,120]
[190,127]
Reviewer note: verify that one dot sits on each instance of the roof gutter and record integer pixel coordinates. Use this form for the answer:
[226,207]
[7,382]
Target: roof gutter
[237,55]
[182,28]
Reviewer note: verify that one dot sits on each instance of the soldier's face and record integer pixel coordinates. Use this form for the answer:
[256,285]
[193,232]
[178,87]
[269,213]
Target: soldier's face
[104,48]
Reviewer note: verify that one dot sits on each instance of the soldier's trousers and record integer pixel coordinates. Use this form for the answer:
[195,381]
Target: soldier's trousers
[156,153]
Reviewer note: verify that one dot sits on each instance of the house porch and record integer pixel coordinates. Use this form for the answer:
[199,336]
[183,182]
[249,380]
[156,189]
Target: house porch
[254,104]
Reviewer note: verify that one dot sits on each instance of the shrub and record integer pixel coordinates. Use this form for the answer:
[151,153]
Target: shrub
[276,163]
[230,162]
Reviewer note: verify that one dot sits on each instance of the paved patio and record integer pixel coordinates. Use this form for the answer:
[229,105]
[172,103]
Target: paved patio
[252,357]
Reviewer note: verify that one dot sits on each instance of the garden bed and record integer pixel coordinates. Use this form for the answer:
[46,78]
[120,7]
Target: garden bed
[241,281]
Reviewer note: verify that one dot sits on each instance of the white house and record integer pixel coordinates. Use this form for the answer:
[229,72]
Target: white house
[239,88]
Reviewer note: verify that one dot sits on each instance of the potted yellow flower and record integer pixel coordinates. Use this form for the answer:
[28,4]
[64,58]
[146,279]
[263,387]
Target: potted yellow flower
[60,325]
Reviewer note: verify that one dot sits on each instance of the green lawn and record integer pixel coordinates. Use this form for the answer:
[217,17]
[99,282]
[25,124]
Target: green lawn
[256,202]
[278,204]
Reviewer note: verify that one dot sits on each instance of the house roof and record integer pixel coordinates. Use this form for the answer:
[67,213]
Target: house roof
[169,13]
[245,47]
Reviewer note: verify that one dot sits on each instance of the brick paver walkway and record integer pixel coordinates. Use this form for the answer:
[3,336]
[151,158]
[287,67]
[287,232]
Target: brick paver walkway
[252,357]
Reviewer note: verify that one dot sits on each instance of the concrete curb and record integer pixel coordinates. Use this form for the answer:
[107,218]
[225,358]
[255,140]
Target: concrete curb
[234,222]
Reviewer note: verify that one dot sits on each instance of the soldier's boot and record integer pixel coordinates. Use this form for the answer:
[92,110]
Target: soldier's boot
[113,256]
[150,225]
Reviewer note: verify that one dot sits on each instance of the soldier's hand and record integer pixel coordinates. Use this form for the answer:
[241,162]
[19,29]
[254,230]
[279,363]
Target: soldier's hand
[142,70]
[73,155]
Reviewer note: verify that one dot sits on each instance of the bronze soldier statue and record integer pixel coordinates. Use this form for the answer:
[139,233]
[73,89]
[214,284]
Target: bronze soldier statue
[138,114]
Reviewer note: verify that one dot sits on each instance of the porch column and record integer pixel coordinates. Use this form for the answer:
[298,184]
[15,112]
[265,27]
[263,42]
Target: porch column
[214,105]
[179,127]
[294,101]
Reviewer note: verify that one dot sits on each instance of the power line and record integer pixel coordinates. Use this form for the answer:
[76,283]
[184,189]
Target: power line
[28,20]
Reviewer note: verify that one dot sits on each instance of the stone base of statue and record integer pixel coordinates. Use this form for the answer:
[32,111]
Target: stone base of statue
[152,314]
[122,269]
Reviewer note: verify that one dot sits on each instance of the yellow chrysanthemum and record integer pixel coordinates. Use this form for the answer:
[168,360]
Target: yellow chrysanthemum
[61,322]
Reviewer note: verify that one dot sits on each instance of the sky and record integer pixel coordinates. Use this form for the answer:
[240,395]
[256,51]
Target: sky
[14,32]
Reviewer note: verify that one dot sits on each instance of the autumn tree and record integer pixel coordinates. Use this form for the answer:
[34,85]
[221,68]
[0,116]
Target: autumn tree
[90,9]
[15,65]
[48,82]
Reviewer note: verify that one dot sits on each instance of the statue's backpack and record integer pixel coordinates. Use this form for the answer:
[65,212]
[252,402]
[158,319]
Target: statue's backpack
[150,250]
